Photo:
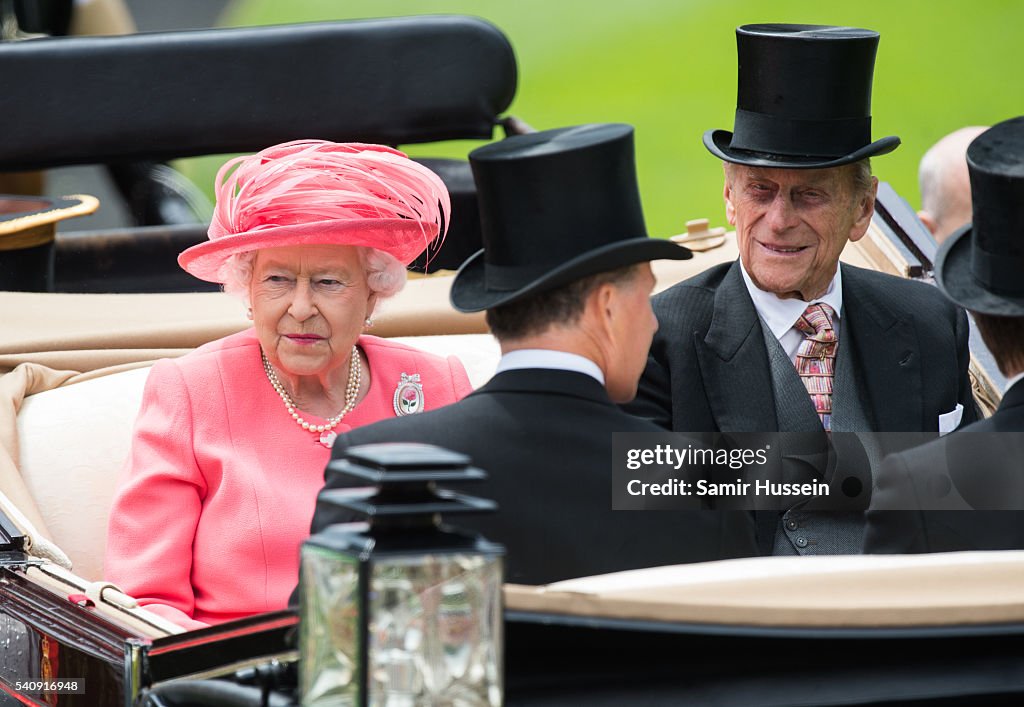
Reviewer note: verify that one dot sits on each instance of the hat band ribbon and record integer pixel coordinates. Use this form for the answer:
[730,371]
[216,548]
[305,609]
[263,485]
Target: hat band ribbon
[836,137]
[999,273]
[507,278]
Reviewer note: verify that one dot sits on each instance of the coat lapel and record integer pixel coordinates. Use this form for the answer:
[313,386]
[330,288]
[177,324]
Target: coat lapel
[734,363]
[887,361]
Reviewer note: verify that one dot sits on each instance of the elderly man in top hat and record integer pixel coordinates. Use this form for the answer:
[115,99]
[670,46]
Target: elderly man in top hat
[565,280]
[785,339]
[981,267]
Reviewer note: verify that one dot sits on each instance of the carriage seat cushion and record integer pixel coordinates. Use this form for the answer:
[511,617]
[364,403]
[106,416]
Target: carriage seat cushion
[74,440]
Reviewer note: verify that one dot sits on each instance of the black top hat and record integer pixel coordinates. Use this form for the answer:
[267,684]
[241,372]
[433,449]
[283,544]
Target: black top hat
[28,229]
[981,266]
[32,220]
[803,98]
[555,206]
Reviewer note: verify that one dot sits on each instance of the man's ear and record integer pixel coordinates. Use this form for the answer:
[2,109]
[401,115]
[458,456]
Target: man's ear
[928,220]
[865,209]
[602,307]
[730,209]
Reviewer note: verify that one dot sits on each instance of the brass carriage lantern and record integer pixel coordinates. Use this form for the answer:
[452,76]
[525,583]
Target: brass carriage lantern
[400,610]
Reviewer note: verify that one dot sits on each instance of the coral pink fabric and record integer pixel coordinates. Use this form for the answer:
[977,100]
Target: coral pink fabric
[220,485]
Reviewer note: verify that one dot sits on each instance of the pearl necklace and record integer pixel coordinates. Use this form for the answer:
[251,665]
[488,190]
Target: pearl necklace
[355,380]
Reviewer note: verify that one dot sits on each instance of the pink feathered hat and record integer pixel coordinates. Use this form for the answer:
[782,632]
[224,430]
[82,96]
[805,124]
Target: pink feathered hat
[314,192]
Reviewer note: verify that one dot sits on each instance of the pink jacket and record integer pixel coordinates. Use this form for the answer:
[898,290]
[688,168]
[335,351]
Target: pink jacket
[221,483]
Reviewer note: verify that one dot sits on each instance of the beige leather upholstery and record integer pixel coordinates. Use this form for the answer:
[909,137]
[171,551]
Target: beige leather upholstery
[74,440]
[840,591]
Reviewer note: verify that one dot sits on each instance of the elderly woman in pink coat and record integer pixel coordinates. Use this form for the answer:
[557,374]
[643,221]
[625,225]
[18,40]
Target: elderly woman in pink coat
[231,440]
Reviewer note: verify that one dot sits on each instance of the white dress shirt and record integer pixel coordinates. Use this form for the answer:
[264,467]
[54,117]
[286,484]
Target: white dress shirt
[549,358]
[781,314]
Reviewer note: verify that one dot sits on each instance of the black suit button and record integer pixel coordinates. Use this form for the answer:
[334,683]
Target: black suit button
[791,524]
[800,541]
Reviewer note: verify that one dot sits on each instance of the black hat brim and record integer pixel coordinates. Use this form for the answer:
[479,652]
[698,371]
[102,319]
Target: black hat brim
[718,141]
[470,293]
[954,277]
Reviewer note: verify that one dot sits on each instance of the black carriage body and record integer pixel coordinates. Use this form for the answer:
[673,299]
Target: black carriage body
[46,639]
[49,638]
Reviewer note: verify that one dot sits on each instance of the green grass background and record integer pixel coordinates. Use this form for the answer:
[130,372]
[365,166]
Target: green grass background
[669,68]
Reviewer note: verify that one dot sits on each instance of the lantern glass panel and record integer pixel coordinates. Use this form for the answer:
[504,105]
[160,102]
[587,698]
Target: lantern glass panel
[330,628]
[435,630]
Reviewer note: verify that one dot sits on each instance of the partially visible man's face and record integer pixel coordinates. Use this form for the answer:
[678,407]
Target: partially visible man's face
[792,224]
[635,325]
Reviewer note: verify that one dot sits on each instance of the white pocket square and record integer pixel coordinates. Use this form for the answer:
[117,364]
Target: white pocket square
[949,421]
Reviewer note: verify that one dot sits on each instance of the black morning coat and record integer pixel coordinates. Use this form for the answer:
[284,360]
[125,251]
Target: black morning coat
[545,438]
[985,467]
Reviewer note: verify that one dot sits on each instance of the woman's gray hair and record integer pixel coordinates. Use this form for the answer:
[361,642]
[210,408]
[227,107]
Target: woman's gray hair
[236,274]
[385,275]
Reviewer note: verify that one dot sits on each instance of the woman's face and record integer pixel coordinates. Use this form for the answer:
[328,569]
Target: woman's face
[309,303]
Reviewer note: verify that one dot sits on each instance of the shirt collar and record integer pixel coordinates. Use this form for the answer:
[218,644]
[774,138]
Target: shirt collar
[780,314]
[549,358]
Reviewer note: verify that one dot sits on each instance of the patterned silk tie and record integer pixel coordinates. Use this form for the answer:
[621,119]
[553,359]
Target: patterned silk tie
[816,358]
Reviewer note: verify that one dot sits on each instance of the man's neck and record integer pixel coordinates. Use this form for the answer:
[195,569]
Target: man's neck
[549,353]
[571,340]
[547,342]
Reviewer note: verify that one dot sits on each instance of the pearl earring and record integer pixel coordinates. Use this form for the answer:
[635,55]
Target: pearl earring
[368,322]
[248,313]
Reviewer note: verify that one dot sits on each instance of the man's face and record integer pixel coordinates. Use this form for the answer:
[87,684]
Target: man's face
[634,325]
[792,224]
